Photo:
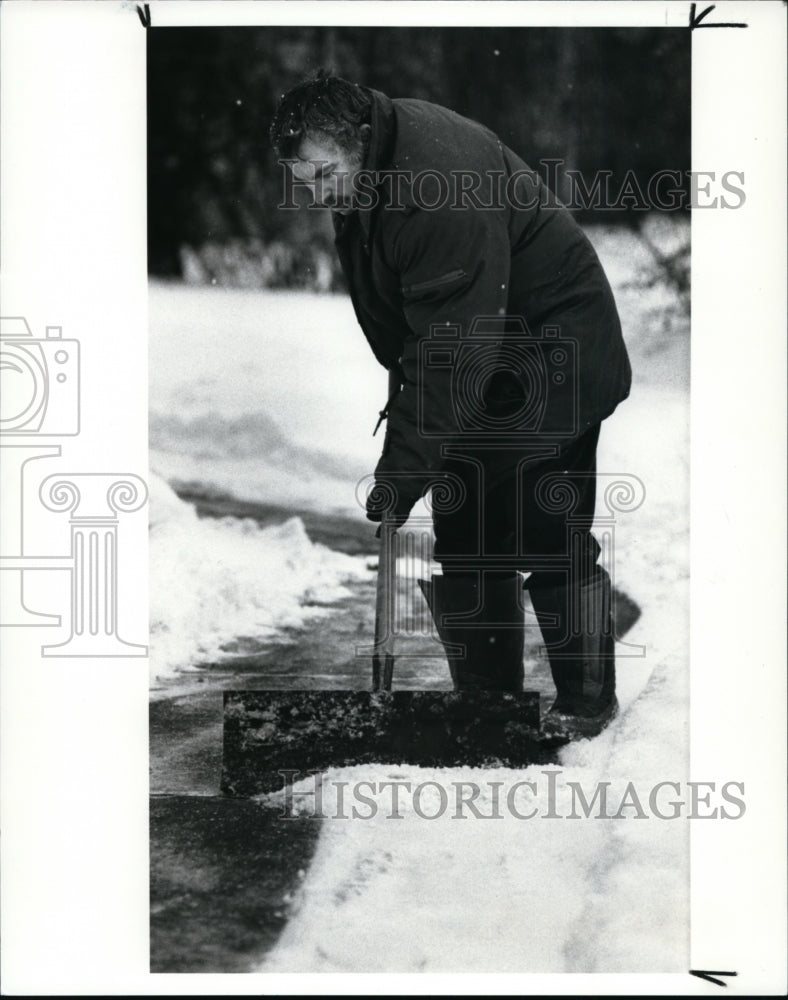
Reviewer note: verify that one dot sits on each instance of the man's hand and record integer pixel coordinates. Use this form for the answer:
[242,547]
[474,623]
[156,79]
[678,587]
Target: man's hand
[385,498]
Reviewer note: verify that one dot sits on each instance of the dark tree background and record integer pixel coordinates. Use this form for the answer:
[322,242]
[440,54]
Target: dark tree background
[615,99]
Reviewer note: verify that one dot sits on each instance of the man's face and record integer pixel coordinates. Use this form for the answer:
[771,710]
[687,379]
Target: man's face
[328,170]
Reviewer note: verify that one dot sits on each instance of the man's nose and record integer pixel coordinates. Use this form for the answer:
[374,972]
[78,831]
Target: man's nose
[325,194]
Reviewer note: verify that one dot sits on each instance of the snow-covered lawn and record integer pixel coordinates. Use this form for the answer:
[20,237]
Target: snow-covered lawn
[272,397]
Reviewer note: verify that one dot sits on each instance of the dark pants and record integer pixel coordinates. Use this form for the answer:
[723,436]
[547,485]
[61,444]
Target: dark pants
[513,518]
[531,515]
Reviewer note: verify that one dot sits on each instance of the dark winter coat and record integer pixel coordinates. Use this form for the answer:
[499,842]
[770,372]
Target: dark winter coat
[470,271]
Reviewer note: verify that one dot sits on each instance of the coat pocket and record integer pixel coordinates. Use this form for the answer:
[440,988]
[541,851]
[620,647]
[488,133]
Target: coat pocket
[429,289]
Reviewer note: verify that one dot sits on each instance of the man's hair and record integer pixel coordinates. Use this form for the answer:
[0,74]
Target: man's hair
[323,104]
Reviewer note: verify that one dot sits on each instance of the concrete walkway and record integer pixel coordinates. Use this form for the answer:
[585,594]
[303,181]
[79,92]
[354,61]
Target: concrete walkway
[225,873]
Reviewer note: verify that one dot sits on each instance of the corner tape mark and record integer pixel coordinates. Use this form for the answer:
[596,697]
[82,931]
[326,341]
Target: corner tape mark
[709,974]
[698,21]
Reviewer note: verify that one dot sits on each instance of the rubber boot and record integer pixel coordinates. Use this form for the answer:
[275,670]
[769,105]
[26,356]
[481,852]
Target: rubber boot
[484,649]
[577,627]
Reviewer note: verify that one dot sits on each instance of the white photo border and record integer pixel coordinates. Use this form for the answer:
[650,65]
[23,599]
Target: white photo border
[75,904]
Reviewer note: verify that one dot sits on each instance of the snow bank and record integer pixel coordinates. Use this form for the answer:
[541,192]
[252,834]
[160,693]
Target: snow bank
[213,581]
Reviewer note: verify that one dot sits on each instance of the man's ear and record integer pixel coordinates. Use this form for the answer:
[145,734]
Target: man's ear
[365,132]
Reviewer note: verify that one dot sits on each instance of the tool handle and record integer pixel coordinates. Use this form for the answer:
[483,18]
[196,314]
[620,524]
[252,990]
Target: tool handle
[383,657]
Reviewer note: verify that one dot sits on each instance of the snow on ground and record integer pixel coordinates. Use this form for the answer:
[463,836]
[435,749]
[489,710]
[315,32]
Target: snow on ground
[269,396]
[541,894]
[215,581]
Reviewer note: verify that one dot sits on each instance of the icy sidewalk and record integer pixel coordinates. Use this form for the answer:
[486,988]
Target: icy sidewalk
[224,873]
[221,875]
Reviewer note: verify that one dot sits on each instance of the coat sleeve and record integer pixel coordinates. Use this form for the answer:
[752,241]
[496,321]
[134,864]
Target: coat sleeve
[454,272]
